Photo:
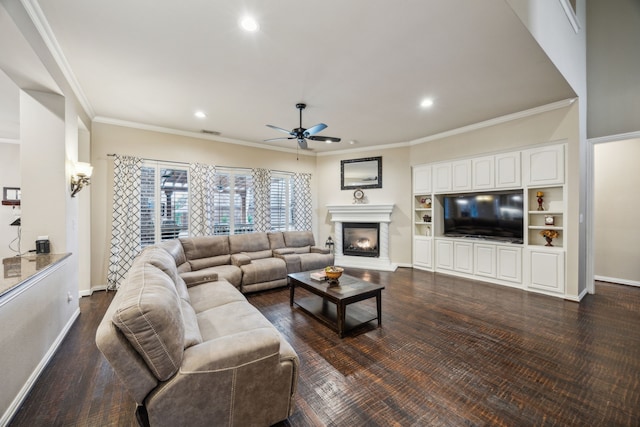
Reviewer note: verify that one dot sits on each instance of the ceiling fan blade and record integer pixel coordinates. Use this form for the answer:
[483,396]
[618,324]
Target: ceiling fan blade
[315,129]
[281,130]
[302,143]
[278,139]
[324,138]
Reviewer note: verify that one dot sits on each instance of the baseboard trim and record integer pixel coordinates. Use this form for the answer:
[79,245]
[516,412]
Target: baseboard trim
[617,281]
[89,292]
[26,388]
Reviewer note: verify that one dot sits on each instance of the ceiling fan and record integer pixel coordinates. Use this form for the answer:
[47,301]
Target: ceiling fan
[302,134]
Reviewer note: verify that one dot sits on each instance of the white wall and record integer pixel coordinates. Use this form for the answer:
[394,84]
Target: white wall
[616,225]
[9,177]
[157,145]
[396,189]
[612,65]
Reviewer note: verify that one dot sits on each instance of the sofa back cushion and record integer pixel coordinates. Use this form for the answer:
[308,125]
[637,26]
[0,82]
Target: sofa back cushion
[206,251]
[252,242]
[174,248]
[298,239]
[150,317]
[276,239]
[161,259]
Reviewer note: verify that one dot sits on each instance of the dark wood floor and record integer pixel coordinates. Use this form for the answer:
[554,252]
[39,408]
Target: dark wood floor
[451,352]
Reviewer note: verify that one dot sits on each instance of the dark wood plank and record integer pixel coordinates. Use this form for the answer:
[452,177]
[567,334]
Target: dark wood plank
[450,352]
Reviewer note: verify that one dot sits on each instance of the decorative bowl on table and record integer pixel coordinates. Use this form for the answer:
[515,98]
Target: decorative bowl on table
[333,274]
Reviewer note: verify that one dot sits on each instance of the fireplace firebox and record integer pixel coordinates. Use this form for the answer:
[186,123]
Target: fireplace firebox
[361,239]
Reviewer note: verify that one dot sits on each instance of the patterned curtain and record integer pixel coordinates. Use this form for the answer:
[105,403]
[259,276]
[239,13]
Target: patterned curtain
[261,199]
[125,227]
[201,191]
[302,203]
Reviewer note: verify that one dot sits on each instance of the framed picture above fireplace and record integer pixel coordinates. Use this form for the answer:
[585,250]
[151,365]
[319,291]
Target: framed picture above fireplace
[361,173]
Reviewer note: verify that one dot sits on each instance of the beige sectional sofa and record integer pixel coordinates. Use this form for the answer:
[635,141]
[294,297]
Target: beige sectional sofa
[251,262]
[186,343]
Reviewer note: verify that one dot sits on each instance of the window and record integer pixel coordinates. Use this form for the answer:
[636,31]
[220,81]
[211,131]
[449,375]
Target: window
[233,202]
[164,210]
[281,203]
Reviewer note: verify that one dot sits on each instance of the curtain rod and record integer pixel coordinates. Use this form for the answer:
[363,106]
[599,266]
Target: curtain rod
[186,163]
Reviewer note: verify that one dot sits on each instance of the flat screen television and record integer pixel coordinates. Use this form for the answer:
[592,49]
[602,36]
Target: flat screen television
[492,215]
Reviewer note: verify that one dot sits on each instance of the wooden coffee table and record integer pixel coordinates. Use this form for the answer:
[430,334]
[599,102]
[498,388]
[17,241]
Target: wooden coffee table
[331,307]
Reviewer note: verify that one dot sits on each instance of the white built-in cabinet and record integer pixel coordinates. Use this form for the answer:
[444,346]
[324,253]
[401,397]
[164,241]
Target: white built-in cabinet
[532,265]
[507,170]
[483,173]
[546,270]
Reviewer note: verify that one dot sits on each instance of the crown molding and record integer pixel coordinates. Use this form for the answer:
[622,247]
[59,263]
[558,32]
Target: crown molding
[198,135]
[362,149]
[498,120]
[44,29]
[612,138]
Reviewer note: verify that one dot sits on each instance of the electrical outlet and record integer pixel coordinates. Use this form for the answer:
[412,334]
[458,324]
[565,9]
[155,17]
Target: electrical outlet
[69,297]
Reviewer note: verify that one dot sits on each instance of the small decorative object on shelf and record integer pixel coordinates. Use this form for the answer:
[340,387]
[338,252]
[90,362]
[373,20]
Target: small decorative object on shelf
[540,195]
[549,235]
[549,220]
[358,196]
[426,202]
[426,218]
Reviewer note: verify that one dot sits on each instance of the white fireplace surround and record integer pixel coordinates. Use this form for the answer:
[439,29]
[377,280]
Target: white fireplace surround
[363,213]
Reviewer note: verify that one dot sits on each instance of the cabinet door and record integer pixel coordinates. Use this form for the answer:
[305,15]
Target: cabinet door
[546,270]
[422,180]
[444,254]
[441,177]
[422,253]
[509,264]
[507,167]
[544,166]
[482,169]
[484,260]
[461,175]
[463,257]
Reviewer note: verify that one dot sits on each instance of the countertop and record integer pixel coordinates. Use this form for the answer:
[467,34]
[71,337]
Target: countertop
[17,270]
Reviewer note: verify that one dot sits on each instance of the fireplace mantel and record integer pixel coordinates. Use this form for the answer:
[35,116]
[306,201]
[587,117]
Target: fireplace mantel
[380,213]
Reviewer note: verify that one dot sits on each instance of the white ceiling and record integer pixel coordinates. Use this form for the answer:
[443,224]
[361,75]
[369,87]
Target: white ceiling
[362,66]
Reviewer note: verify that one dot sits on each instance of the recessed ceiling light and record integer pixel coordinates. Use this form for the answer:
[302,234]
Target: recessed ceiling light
[353,141]
[328,141]
[200,114]
[248,23]
[426,103]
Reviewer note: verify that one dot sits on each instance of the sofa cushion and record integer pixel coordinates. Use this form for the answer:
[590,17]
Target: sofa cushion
[214,294]
[252,242]
[205,246]
[163,260]
[276,239]
[263,270]
[192,334]
[297,239]
[198,277]
[301,250]
[174,248]
[150,317]
[259,254]
[213,261]
[214,323]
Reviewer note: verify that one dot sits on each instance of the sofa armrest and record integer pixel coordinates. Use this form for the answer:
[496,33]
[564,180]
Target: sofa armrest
[319,250]
[231,351]
[283,251]
[192,278]
[292,260]
[240,259]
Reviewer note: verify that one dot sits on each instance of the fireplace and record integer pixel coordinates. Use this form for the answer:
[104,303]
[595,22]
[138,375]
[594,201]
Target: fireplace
[361,215]
[361,239]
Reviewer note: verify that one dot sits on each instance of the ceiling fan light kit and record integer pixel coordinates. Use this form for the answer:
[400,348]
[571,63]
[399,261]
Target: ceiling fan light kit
[301,134]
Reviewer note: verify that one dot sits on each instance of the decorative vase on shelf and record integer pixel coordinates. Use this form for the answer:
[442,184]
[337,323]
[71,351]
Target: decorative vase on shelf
[540,194]
[549,240]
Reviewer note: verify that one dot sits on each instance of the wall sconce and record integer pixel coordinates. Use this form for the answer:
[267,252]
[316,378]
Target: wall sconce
[81,178]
